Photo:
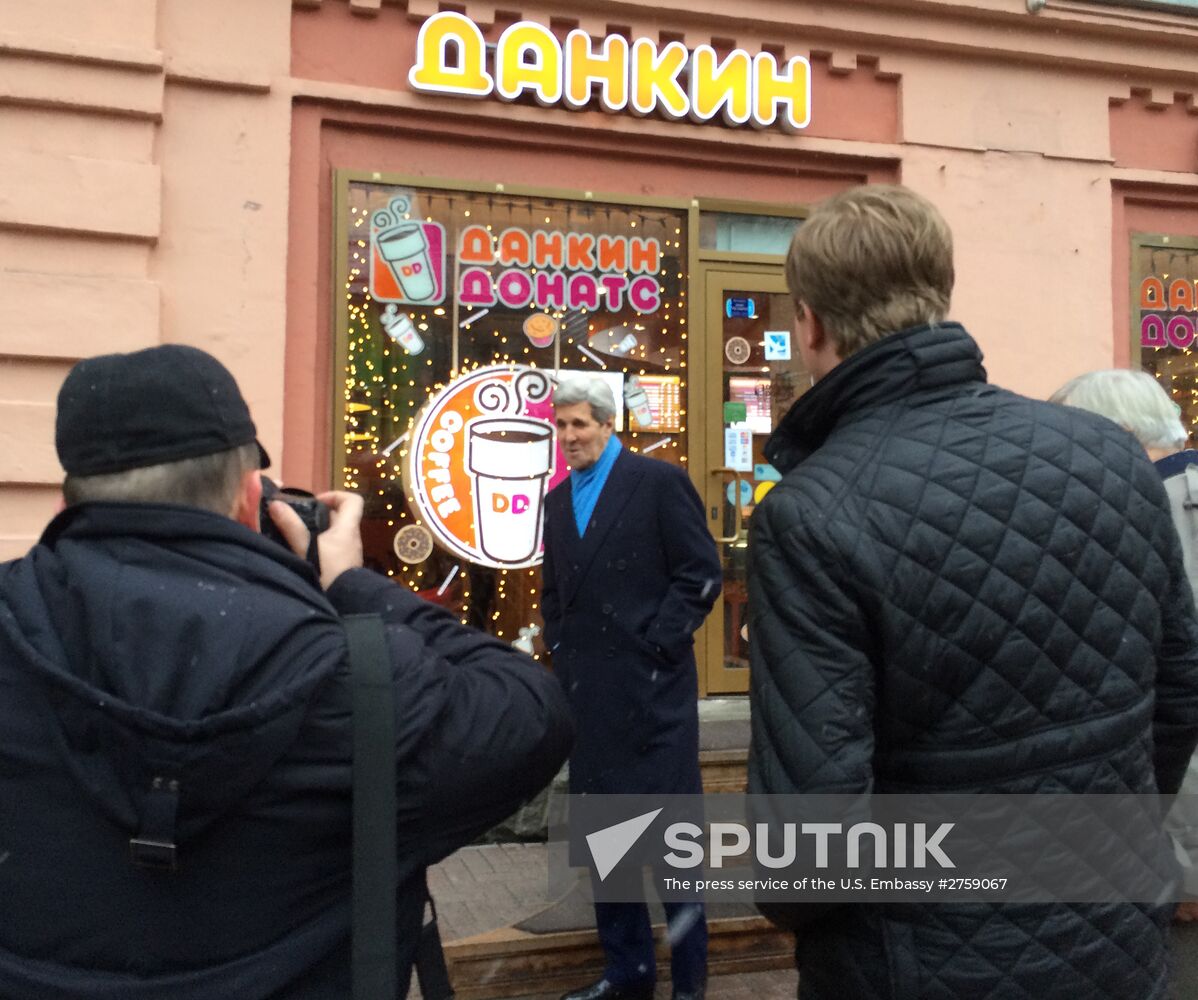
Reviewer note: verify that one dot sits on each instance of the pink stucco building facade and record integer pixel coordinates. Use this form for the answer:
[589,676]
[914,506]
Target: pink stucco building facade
[180,171]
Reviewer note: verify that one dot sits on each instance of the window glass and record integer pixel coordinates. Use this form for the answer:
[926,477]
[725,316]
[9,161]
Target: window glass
[461,312]
[735,233]
[1165,316]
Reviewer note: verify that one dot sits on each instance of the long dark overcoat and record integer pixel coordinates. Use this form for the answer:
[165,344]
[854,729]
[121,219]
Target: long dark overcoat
[621,606]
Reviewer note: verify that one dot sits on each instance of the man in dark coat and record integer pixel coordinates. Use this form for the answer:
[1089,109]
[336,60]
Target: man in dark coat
[630,573]
[175,743]
[954,588]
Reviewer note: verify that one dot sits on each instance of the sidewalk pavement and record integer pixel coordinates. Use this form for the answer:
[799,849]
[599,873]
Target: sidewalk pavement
[486,887]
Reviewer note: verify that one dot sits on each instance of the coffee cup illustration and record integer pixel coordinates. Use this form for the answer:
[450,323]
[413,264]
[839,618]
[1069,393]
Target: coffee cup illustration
[400,329]
[405,250]
[403,244]
[510,459]
[637,401]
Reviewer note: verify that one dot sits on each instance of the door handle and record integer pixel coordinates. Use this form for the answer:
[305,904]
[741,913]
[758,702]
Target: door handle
[738,523]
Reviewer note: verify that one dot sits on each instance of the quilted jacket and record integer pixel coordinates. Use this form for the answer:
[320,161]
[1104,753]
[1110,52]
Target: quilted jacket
[954,588]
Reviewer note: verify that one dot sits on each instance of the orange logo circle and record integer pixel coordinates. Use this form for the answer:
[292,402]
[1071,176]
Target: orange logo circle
[481,457]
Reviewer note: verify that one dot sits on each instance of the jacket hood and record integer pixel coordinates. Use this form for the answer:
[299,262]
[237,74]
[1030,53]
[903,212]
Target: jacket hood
[169,646]
[919,359]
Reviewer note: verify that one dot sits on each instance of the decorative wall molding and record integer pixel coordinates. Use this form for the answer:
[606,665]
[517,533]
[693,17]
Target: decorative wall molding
[27,443]
[76,194]
[109,88]
[228,77]
[65,316]
[60,49]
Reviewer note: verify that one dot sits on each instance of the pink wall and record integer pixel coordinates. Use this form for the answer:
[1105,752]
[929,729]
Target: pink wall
[519,145]
[166,172]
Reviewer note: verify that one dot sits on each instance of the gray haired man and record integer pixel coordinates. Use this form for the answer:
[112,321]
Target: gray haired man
[630,573]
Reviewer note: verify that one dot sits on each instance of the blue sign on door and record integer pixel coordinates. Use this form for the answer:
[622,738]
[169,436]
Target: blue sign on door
[740,308]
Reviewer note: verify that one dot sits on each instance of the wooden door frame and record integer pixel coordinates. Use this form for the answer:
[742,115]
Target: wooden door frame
[714,278]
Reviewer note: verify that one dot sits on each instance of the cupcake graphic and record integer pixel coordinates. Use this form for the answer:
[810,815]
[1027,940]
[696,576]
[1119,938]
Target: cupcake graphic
[540,329]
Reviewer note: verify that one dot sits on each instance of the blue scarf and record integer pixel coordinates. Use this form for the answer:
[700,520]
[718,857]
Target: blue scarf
[586,484]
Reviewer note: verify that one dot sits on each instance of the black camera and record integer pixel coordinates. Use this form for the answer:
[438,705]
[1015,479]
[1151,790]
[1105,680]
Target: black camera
[311,511]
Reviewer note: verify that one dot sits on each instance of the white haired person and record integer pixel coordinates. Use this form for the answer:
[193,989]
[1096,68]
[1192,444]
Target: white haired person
[1137,402]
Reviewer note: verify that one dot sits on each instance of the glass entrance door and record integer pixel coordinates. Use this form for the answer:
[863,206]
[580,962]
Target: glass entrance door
[753,375]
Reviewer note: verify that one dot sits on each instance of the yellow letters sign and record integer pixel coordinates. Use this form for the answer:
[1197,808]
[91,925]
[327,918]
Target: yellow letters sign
[643,78]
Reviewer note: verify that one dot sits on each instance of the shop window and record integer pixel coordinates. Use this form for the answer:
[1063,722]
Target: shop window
[1164,298]
[732,232]
[462,311]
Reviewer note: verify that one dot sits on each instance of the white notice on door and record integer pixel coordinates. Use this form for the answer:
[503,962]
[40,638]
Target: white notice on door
[738,448]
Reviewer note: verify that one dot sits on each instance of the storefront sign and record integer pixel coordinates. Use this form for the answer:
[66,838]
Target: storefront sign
[607,270]
[1168,315]
[640,77]
[482,455]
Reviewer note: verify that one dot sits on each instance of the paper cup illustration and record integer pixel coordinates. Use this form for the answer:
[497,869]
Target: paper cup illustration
[405,250]
[617,341]
[637,401]
[527,634]
[510,459]
[625,345]
[400,329]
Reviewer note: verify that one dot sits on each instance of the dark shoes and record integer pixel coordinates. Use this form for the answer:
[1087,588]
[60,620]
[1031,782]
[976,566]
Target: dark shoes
[603,990]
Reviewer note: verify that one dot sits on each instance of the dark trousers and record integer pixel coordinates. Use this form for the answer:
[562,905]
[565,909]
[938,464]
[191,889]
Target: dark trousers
[627,939]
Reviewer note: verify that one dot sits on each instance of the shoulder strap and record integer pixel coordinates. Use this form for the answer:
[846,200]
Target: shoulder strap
[431,971]
[375,864]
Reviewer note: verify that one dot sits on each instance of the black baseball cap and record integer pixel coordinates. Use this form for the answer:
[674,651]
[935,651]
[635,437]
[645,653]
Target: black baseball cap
[163,404]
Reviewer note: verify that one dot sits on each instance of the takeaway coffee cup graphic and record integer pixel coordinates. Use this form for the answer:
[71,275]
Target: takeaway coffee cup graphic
[637,400]
[405,250]
[403,245]
[400,329]
[510,459]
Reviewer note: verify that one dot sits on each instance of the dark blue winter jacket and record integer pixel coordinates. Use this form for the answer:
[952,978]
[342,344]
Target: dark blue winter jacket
[154,653]
[957,589]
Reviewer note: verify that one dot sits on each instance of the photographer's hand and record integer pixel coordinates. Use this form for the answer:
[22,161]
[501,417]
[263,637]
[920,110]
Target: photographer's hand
[340,545]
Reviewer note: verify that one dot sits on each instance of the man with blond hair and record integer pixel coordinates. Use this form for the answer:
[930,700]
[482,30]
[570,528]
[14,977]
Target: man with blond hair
[956,589]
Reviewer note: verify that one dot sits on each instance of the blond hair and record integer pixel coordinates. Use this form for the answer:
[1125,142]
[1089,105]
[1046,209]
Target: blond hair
[871,261]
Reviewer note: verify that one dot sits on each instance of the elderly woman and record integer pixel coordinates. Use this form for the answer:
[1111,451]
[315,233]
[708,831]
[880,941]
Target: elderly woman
[1136,401]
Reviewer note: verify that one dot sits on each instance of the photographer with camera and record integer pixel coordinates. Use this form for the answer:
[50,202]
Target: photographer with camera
[175,724]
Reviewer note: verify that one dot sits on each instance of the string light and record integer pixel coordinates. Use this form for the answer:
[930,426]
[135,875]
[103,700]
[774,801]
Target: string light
[392,386]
